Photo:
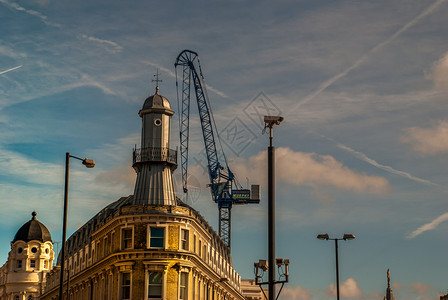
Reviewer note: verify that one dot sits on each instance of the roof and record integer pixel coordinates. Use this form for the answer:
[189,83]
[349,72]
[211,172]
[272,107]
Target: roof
[33,230]
[156,103]
[83,235]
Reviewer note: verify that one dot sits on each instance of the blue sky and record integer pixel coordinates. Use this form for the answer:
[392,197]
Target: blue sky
[363,87]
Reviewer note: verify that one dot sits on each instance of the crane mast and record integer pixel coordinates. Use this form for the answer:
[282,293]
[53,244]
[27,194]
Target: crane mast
[223,184]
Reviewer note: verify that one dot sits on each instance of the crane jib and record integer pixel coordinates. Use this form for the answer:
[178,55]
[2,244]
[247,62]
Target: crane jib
[223,184]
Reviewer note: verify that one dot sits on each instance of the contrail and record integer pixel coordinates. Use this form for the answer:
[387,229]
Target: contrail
[9,70]
[429,226]
[363,58]
[389,169]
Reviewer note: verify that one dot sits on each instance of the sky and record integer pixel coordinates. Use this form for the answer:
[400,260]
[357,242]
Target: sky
[362,85]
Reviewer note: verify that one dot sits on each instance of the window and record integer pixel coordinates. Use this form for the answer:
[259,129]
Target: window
[45,264]
[30,297]
[125,286]
[126,238]
[157,237]
[194,243]
[20,250]
[194,288]
[19,264]
[184,239]
[155,285]
[112,242]
[183,286]
[32,263]
[34,250]
[106,246]
[16,298]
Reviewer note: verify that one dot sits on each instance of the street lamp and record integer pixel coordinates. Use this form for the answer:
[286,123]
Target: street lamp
[270,122]
[89,163]
[346,237]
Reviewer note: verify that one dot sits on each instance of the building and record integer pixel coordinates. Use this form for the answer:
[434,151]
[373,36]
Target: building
[389,295]
[23,275]
[444,297]
[149,245]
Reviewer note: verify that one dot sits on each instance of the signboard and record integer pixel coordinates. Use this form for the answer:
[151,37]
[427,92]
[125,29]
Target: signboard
[239,195]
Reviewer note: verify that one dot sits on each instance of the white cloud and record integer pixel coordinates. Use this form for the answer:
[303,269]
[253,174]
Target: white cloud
[348,289]
[428,141]
[108,45]
[295,293]
[31,12]
[429,226]
[440,73]
[15,165]
[298,168]
[119,178]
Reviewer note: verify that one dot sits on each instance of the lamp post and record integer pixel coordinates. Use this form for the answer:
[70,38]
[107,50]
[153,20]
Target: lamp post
[346,237]
[270,121]
[89,163]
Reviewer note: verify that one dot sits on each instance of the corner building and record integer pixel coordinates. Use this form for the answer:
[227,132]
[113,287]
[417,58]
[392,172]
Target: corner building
[149,245]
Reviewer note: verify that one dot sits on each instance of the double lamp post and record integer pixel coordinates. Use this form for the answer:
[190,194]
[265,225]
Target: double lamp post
[346,237]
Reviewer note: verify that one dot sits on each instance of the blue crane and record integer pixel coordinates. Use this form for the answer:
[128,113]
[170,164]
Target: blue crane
[225,189]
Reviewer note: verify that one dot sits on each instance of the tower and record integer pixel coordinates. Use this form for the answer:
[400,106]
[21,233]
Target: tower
[389,295]
[154,162]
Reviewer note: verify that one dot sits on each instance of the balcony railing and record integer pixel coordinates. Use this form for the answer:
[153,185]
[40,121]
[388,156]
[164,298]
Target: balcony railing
[155,154]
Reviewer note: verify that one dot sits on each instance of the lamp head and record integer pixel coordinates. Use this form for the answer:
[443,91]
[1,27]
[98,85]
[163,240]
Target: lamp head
[89,163]
[279,262]
[323,236]
[348,236]
[263,264]
[272,120]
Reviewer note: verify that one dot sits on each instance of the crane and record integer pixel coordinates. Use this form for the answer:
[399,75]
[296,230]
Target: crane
[223,185]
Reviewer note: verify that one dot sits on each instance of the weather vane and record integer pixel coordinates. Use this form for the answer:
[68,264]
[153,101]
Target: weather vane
[157,80]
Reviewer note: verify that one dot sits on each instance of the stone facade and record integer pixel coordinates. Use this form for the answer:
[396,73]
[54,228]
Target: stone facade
[23,275]
[189,258]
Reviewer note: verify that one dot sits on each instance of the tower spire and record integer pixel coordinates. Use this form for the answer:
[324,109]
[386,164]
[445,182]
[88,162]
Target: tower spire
[157,80]
[389,294]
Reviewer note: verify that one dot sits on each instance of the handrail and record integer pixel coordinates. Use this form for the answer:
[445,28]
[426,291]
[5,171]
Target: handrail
[156,154]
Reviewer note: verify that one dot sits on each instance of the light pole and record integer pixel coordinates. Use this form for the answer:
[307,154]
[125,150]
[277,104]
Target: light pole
[89,163]
[270,121]
[346,237]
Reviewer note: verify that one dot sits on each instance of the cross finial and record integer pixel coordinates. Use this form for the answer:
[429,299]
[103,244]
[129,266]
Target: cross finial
[157,80]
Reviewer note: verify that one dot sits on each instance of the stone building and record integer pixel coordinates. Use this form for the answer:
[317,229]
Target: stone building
[149,245]
[444,297]
[22,277]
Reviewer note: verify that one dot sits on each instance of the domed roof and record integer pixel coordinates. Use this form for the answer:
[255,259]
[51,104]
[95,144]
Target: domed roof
[156,101]
[33,230]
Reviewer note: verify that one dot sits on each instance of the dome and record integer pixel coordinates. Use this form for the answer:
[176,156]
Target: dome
[33,230]
[156,101]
